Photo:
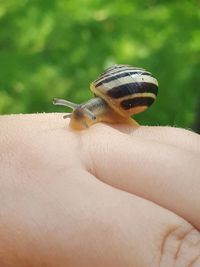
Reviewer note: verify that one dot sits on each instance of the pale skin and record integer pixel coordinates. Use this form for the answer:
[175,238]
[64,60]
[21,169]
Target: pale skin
[111,195]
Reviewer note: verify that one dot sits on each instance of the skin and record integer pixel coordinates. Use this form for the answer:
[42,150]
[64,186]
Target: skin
[111,195]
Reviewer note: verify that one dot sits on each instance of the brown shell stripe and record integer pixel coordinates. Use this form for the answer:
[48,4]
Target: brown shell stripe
[115,76]
[131,89]
[118,71]
[133,86]
[136,102]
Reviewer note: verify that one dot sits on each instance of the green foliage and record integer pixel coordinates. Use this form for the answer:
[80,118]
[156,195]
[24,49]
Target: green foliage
[56,48]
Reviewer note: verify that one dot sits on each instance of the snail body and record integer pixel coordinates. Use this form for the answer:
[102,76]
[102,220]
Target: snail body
[120,91]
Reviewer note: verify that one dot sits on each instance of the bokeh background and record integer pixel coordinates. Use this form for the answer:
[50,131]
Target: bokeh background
[55,48]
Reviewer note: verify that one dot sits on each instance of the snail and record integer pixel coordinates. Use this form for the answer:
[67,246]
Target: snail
[120,91]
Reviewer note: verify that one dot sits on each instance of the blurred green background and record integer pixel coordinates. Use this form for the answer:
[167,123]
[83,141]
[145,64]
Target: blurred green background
[56,48]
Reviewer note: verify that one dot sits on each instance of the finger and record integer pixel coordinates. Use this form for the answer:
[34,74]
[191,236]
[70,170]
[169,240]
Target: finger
[55,213]
[181,138]
[75,220]
[161,173]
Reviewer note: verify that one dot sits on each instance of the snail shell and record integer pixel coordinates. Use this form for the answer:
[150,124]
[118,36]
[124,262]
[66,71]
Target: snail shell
[120,91]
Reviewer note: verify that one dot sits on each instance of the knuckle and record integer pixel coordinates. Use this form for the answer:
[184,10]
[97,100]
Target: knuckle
[180,247]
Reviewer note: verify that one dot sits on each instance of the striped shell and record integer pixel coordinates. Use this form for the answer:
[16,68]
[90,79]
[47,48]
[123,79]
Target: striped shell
[128,90]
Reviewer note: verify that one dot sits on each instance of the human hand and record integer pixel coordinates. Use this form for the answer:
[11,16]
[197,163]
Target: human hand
[106,196]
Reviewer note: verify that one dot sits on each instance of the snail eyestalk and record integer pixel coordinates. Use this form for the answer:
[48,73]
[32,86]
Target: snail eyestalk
[89,114]
[63,102]
[67,116]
